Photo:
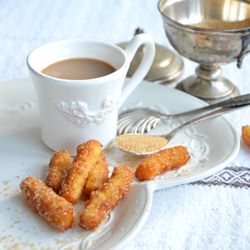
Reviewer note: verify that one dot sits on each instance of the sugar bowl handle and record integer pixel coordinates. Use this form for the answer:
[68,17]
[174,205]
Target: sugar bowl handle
[245,49]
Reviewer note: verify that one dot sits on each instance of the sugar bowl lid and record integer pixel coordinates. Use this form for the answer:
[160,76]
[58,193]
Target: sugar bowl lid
[167,65]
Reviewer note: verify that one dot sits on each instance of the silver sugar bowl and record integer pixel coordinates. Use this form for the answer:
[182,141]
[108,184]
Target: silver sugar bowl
[211,33]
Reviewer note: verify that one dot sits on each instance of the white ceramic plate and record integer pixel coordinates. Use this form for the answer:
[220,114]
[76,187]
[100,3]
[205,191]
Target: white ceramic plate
[212,145]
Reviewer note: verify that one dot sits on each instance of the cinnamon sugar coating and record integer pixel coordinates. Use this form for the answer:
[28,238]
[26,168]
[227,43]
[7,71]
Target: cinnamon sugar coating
[57,211]
[161,162]
[58,165]
[86,158]
[245,134]
[97,176]
[102,201]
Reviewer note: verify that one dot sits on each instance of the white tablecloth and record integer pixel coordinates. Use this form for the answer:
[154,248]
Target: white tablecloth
[199,216]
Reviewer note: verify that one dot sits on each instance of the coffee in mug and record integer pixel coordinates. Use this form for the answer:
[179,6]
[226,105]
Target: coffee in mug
[79,69]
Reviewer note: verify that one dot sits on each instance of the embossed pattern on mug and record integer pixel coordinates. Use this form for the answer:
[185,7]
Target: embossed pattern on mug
[79,114]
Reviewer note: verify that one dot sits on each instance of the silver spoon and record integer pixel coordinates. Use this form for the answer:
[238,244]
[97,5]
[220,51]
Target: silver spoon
[142,145]
[142,120]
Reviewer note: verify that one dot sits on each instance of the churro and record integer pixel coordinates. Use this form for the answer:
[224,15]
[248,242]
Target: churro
[58,165]
[57,211]
[245,134]
[103,200]
[87,156]
[97,176]
[161,162]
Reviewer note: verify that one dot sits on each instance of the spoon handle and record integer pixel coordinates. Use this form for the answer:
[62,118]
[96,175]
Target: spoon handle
[214,113]
[230,103]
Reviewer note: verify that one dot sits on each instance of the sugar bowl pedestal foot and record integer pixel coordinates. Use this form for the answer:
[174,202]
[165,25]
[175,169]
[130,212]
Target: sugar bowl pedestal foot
[209,84]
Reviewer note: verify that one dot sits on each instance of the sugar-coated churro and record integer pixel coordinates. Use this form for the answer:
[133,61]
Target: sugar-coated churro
[58,165]
[102,201]
[97,176]
[57,211]
[245,134]
[161,162]
[87,156]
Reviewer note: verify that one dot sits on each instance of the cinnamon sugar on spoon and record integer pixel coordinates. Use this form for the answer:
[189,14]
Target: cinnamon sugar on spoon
[140,144]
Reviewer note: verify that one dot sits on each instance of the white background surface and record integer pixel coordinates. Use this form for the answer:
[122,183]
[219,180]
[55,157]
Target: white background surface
[185,217]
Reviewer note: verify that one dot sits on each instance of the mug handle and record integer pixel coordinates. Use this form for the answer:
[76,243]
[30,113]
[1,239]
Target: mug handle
[144,66]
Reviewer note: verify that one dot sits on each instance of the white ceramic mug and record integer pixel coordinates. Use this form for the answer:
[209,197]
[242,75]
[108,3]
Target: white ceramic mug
[73,111]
